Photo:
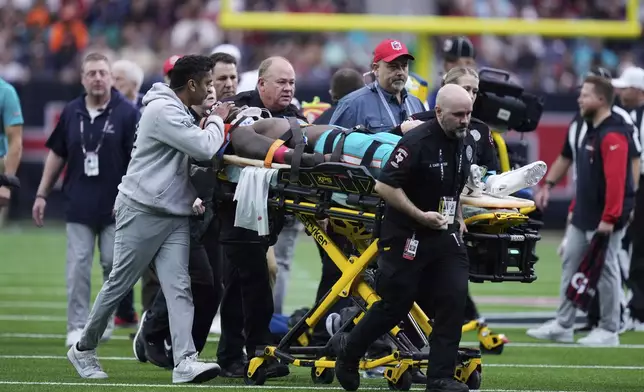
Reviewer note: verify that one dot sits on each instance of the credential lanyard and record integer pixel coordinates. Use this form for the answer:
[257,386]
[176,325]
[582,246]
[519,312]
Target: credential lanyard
[458,173]
[388,109]
[100,141]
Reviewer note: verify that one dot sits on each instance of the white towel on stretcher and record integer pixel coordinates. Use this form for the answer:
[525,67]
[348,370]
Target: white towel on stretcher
[251,196]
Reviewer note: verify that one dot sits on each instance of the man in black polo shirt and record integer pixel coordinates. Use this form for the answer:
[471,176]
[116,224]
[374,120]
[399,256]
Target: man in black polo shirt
[422,254]
[246,276]
[94,137]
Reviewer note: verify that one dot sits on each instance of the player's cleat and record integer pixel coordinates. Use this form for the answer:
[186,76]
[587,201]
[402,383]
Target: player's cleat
[474,186]
[512,181]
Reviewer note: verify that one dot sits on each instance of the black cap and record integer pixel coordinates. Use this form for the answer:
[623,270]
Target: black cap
[457,47]
[601,72]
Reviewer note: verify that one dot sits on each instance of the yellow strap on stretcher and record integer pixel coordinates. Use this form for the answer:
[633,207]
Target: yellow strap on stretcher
[271,152]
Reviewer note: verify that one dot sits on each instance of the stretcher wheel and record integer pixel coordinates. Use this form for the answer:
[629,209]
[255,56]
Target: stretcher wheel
[258,378]
[403,384]
[474,381]
[494,350]
[326,377]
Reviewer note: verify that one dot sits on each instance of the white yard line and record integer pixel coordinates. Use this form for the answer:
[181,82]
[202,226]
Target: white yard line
[211,386]
[31,317]
[215,338]
[32,305]
[9,335]
[499,365]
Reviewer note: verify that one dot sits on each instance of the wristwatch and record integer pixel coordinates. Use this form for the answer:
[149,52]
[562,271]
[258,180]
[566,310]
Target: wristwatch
[550,184]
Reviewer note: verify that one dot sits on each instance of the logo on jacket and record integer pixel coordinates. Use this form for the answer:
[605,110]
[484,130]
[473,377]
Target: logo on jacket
[399,157]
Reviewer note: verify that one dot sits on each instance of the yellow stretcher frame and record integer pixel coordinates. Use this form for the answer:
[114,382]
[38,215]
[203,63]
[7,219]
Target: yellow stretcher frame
[352,283]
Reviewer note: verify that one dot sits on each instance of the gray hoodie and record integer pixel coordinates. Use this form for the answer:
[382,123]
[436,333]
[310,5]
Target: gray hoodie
[158,176]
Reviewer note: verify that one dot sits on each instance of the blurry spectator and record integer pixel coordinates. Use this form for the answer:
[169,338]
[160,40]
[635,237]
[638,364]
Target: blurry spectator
[39,16]
[193,29]
[67,37]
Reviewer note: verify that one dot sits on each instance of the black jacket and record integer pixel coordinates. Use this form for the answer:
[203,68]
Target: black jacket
[605,188]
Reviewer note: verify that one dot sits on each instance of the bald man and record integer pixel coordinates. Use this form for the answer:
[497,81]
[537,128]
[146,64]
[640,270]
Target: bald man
[422,254]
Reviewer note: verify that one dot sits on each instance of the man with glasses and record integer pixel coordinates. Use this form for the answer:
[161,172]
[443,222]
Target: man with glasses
[385,103]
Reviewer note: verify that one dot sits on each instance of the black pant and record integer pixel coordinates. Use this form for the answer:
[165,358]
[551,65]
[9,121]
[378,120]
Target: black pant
[436,279]
[125,309]
[471,312]
[247,303]
[205,283]
[150,286]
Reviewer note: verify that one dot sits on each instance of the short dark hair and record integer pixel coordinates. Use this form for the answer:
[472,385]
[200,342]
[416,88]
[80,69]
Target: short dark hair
[602,87]
[345,81]
[221,57]
[95,56]
[193,67]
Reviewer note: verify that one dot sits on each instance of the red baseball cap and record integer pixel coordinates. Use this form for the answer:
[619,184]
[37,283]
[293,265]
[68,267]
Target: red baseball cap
[389,50]
[169,63]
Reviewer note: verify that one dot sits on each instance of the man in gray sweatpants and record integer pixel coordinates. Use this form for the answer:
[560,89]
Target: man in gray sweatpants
[152,208]
[603,203]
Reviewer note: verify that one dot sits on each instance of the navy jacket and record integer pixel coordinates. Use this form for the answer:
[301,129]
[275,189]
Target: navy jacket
[90,200]
[605,189]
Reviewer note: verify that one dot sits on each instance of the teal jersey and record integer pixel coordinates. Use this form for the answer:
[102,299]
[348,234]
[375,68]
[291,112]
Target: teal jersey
[356,145]
[10,113]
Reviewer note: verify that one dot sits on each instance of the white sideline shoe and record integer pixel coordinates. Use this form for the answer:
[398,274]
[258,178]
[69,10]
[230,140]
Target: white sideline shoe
[507,183]
[552,330]
[86,363]
[73,337]
[191,370]
[600,337]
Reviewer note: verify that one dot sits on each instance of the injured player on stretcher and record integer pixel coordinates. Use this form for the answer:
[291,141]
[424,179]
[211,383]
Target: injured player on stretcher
[276,139]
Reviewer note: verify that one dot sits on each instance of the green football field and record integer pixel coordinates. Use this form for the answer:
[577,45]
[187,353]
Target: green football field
[32,331]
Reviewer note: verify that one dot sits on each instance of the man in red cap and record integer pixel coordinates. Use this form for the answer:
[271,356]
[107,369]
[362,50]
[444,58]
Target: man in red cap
[384,104]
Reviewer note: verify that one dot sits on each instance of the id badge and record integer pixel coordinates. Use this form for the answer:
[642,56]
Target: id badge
[91,164]
[447,208]
[411,246]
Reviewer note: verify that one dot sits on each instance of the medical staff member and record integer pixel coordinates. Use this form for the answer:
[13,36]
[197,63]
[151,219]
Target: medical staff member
[10,139]
[422,254]
[385,103]
[94,138]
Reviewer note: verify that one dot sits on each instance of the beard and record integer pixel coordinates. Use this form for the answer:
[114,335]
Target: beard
[459,133]
[588,114]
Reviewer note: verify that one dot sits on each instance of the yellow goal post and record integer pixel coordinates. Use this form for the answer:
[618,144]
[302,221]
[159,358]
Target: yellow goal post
[426,25]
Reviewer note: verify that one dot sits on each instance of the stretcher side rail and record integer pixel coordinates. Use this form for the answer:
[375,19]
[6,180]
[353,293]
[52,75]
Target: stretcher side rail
[314,190]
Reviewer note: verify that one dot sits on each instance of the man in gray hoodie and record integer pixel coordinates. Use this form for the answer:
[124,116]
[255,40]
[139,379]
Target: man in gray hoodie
[152,209]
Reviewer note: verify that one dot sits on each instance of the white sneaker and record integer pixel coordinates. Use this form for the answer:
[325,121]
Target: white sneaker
[552,330]
[86,363]
[215,328]
[191,370]
[600,337]
[73,337]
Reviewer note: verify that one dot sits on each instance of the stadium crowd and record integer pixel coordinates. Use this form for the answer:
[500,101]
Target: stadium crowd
[47,38]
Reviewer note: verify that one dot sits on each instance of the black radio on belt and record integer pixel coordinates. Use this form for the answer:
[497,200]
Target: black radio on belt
[504,105]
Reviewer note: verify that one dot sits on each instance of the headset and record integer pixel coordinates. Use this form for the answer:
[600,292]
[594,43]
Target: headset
[504,105]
